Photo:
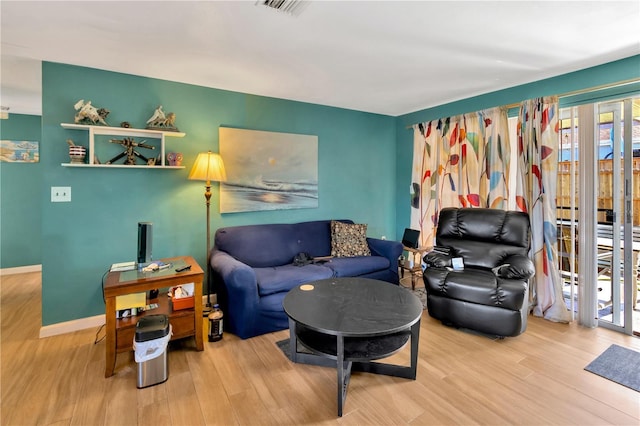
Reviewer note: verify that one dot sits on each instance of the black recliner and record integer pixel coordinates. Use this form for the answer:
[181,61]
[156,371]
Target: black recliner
[490,295]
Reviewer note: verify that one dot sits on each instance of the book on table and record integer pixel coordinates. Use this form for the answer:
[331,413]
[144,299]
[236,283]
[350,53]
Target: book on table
[123,266]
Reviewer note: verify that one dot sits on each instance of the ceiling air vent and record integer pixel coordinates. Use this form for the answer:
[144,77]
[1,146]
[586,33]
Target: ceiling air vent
[292,7]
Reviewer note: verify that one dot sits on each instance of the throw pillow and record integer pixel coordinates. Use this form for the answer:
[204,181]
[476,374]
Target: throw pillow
[349,240]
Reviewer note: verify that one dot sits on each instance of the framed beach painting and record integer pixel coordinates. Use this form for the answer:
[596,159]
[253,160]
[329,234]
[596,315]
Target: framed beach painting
[268,171]
[19,151]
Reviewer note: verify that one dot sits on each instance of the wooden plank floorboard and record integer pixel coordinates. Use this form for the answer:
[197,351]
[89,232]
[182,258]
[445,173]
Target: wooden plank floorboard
[214,402]
[232,373]
[463,378]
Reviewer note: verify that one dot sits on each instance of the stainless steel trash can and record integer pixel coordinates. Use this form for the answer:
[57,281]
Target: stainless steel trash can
[152,336]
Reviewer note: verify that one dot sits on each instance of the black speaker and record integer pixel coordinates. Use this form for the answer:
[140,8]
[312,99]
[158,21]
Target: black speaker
[144,242]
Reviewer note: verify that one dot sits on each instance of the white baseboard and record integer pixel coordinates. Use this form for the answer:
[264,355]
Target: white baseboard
[21,270]
[71,326]
[61,327]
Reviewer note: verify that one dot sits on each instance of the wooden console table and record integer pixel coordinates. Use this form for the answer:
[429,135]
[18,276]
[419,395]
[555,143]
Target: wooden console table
[185,322]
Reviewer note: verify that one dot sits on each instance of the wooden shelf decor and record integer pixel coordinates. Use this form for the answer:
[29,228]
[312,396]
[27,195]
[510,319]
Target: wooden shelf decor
[127,132]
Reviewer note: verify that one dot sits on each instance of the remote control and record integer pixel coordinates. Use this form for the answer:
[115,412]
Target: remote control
[184,268]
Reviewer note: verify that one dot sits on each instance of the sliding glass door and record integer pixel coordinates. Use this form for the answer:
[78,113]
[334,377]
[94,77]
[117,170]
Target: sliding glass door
[598,200]
[617,217]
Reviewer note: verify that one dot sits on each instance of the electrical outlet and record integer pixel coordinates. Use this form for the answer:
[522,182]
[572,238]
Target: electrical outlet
[60,194]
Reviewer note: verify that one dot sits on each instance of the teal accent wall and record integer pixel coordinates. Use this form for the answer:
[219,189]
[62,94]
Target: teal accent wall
[81,239]
[20,201]
[364,172]
[610,73]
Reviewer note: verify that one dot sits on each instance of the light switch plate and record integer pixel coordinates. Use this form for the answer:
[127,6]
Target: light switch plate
[60,194]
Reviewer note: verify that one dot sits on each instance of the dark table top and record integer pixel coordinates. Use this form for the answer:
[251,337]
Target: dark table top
[353,307]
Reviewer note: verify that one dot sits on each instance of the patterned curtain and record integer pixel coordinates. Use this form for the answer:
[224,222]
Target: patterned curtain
[460,161]
[537,167]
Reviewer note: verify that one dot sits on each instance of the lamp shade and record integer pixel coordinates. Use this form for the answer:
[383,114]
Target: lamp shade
[209,167]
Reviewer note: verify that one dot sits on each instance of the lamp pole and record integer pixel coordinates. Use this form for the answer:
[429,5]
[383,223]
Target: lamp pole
[208,167]
[207,197]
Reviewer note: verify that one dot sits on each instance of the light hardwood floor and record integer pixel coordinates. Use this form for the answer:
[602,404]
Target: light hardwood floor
[536,378]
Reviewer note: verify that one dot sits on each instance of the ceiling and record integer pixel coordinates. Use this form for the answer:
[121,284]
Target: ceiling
[387,57]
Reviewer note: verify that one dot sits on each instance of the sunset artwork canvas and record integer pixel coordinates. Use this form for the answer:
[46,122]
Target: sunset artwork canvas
[268,170]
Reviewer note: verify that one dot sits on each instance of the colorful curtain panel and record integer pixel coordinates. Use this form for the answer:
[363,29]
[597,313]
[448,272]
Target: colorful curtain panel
[460,161]
[537,166]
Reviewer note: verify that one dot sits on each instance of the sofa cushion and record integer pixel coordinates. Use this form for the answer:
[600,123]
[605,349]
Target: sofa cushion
[271,311]
[283,278]
[349,239]
[355,266]
[261,246]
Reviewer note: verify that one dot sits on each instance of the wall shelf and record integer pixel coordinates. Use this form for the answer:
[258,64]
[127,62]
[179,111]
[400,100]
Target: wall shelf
[120,166]
[122,131]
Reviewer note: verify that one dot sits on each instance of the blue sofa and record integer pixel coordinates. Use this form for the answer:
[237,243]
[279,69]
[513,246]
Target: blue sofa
[251,268]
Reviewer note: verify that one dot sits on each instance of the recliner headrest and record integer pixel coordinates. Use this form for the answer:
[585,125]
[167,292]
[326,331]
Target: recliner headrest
[482,224]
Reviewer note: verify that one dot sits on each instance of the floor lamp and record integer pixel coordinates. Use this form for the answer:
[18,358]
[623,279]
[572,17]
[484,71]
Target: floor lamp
[208,167]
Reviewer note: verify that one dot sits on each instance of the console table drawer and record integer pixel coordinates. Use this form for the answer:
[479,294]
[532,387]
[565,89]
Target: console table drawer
[124,338]
[182,323]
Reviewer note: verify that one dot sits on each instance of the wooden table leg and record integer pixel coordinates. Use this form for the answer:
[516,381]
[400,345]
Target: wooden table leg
[110,337]
[197,294]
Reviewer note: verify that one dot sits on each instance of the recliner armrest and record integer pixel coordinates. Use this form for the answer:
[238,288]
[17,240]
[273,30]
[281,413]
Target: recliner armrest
[438,260]
[516,267]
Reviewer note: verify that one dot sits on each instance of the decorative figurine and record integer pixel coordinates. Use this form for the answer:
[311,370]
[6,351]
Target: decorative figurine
[130,151]
[157,117]
[88,114]
[175,158]
[171,158]
[77,153]
[160,121]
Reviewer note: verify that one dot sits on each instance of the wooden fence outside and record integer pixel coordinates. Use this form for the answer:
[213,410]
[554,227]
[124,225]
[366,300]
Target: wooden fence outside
[605,196]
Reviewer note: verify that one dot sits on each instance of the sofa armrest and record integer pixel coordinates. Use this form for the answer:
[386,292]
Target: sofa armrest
[516,266]
[386,248]
[237,287]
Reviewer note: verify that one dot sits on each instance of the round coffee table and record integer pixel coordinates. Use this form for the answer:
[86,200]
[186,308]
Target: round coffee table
[349,322]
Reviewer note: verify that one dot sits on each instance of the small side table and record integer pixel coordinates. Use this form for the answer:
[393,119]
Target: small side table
[186,322]
[416,270]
